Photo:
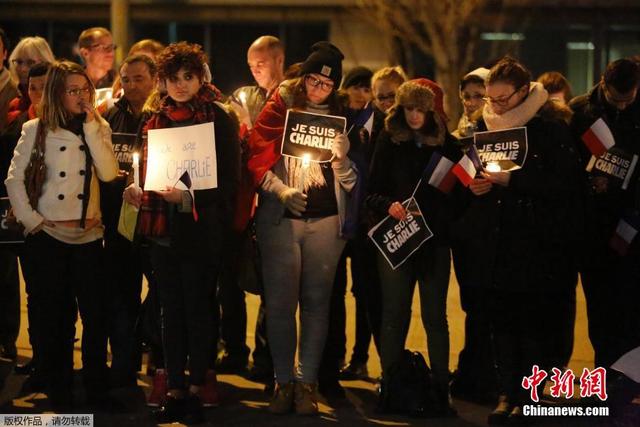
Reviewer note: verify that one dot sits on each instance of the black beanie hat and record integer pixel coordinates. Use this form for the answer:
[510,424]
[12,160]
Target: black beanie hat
[358,76]
[325,59]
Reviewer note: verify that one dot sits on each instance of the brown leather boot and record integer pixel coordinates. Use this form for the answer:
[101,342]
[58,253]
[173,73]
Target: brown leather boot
[305,399]
[282,400]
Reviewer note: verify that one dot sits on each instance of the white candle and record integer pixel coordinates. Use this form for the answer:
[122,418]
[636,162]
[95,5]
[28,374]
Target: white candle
[303,171]
[136,169]
[493,167]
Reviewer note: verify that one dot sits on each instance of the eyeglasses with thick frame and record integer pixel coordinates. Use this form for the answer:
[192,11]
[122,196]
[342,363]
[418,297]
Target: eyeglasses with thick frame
[327,87]
[501,102]
[20,62]
[104,47]
[77,91]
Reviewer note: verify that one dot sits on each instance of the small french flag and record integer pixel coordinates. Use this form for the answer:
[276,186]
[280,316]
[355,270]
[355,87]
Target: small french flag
[439,173]
[186,180]
[465,170]
[598,138]
[626,231]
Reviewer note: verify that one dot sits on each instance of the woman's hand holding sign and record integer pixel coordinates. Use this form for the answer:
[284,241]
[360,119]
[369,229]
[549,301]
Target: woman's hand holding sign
[340,147]
[293,200]
[397,211]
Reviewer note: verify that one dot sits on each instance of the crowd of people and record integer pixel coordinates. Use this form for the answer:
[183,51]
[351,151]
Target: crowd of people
[517,240]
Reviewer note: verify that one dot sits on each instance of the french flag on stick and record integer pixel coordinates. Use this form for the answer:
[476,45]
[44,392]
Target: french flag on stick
[465,170]
[598,138]
[186,180]
[626,231]
[439,173]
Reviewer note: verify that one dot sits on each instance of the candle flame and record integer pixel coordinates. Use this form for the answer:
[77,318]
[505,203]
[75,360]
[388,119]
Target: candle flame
[493,167]
[306,159]
[136,159]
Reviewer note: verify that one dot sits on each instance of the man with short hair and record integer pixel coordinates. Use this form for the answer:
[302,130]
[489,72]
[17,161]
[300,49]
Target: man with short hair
[98,53]
[124,262]
[610,278]
[266,62]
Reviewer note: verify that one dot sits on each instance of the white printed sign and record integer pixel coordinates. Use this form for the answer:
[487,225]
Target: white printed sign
[173,151]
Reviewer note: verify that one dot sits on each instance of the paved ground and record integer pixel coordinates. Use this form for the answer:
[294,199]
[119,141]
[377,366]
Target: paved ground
[244,401]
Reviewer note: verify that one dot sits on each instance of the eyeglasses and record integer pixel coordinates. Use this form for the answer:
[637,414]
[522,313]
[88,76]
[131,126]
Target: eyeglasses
[388,97]
[20,62]
[325,86]
[502,101]
[469,97]
[104,47]
[77,91]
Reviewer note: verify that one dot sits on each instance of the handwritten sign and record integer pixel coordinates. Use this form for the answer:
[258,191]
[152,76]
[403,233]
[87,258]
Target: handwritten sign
[123,147]
[398,240]
[173,151]
[312,134]
[507,148]
[616,165]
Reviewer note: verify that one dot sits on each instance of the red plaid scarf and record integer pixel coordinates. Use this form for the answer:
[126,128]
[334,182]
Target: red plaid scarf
[152,221]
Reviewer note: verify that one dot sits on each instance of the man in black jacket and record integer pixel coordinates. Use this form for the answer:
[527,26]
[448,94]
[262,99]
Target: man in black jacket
[610,279]
[124,262]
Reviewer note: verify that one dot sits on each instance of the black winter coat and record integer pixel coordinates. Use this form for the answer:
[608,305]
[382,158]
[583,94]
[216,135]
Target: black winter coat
[605,209]
[396,169]
[522,238]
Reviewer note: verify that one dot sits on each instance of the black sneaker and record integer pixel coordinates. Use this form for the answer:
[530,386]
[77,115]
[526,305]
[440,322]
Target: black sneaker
[174,410]
[354,371]
[231,365]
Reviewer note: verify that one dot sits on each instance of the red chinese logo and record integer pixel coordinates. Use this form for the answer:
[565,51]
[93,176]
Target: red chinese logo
[531,383]
[562,383]
[592,383]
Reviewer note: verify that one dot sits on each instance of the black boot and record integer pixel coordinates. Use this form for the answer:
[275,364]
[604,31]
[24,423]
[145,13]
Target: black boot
[173,410]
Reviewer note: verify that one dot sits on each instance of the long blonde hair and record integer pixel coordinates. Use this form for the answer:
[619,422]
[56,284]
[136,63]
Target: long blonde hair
[52,111]
[35,48]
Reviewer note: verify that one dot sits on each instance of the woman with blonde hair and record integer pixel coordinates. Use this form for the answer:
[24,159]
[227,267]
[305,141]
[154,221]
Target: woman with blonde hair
[53,189]
[28,52]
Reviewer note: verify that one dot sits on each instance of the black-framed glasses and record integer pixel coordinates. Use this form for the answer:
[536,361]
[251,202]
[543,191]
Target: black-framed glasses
[20,62]
[503,101]
[388,97]
[104,47]
[77,91]
[326,86]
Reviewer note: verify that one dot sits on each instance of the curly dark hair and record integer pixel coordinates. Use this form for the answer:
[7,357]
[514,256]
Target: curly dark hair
[181,55]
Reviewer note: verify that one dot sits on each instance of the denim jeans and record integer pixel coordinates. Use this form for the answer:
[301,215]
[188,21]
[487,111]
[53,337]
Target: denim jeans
[299,259]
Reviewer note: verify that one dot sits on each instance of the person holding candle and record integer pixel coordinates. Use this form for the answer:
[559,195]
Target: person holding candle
[138,77]
[299,232]
[521,228]
[186,253]
[414,131]
[64,218]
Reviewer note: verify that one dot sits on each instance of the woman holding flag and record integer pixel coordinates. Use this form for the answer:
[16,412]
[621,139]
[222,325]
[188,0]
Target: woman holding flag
[413,157]
[188,235]
[299,224]
[521,227]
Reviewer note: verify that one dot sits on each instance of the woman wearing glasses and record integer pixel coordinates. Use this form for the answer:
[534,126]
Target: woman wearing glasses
[299,228]
[520,227]
[61,216]
[28,52]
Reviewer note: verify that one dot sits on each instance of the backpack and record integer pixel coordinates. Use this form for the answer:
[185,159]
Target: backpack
[407,388]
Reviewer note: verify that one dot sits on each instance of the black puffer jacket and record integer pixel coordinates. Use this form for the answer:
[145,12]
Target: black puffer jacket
[523,237]
[605,209]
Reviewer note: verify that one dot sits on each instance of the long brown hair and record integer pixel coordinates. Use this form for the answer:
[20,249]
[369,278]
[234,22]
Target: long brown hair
[52,111]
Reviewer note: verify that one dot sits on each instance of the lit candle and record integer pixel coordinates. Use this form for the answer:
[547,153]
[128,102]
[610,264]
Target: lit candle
[303,171]
[136,169]
[493,167]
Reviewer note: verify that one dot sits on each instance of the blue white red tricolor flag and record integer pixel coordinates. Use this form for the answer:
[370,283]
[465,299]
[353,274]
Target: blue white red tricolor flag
[186,180]
[439,173]
[465,170]
[598,138]
[626,231]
